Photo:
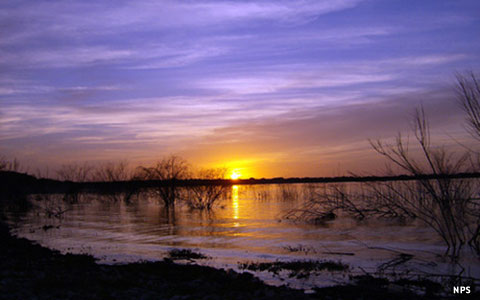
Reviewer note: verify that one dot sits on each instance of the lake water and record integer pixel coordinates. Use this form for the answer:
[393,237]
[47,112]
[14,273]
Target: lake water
[246,226]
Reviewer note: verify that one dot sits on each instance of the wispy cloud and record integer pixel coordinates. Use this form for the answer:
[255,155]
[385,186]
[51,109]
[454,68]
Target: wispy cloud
[423,60]
[104,18]
[92,80]
[299,80]
[173,58]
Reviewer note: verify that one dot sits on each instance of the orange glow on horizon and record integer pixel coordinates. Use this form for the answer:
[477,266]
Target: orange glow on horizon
[236,169]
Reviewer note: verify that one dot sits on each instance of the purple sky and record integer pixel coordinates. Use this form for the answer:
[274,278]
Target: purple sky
[273,88]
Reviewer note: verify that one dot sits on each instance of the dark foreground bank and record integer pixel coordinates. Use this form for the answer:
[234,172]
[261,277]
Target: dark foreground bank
[29,271]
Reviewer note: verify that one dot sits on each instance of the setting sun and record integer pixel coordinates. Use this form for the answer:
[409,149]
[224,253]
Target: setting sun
[235,174]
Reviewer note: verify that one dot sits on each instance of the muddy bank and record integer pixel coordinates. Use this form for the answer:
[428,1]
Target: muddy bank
[30,271]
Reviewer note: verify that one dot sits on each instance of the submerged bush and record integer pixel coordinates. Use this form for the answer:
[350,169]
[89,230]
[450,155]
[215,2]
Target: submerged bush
[166,174]
[204,196]
[117,172]
[449,206]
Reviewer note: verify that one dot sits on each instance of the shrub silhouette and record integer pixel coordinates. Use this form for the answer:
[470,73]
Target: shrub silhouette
[204,196]
[167,173]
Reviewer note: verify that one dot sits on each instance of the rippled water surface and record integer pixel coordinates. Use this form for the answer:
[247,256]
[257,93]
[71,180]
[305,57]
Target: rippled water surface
[246,226]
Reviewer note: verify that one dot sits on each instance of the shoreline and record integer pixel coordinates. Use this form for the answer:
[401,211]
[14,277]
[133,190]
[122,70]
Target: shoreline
[30,271]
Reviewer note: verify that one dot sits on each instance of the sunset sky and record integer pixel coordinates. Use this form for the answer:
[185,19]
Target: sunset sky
[270,88]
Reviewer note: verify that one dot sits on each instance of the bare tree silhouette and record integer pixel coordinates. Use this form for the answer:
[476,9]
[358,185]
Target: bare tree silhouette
[118,172]
[9,165]
[75,173]
[167,173]
[468,91]
[449,206]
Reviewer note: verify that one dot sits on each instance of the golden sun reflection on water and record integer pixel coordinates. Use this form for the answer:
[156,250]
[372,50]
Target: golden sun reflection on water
[235,204]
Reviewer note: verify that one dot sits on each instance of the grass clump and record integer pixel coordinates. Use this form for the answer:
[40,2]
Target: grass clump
[186,254]
[300,248]
[298,268]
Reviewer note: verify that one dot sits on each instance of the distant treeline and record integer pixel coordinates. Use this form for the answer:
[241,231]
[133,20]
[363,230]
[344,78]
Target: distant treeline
[10,180]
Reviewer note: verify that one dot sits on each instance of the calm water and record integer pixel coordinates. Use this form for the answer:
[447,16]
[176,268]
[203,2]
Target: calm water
[246,226]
